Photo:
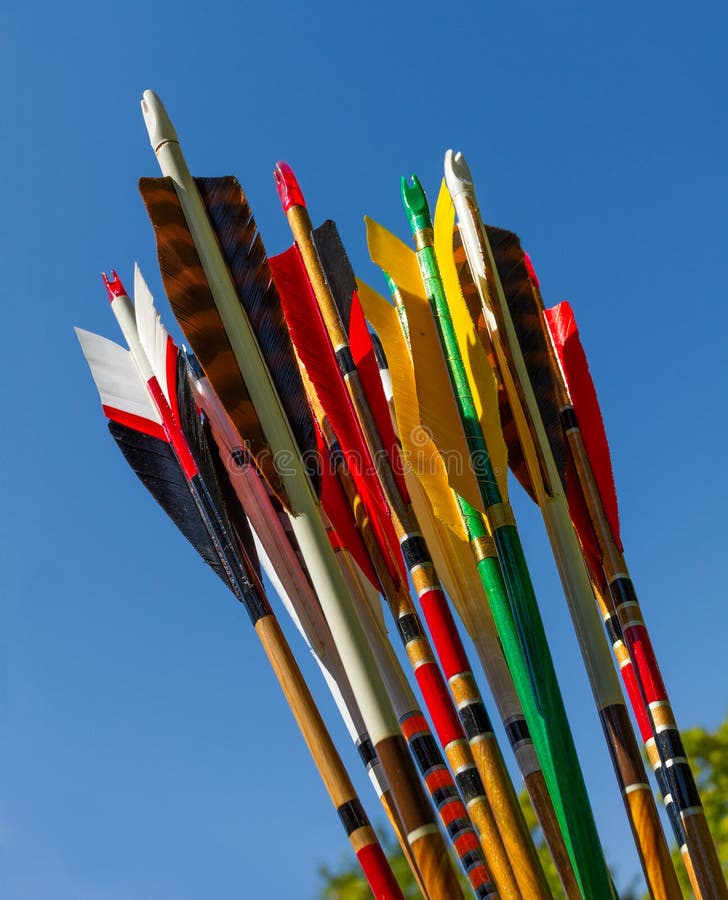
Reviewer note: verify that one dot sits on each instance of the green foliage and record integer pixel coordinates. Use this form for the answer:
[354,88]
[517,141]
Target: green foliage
[708,754]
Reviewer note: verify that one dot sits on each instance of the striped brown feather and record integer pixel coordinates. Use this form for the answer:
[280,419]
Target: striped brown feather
[527,314]
[242,247]
[193,305]
[516,460]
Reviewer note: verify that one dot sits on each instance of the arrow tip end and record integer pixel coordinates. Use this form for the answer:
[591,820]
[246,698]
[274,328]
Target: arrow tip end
[288,188]
[415,202]
[113,285]
[458,177]
[159,125]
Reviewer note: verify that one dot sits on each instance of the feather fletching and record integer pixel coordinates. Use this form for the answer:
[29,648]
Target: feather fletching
[437,407]
[156,466]
[582,393]
[242,247]
[342,283]
[525,309]
[316,354]
[419,451]
[481,377]
[195,310]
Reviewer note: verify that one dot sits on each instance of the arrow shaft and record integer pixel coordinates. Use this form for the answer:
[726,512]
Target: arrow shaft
[478,620]
[565,782]
[423,837]
[463,727]
[546,484]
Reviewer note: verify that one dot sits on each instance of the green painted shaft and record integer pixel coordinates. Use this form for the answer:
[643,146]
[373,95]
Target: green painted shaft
[512,598]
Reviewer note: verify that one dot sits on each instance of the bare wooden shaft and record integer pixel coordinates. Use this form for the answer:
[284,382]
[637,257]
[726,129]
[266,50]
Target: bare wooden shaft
[546,815]
[401,835]
[301,228]
[708,872]
[322,749]
[305,711]
[688,863]
[637,795]
[509,818]
[612,559]
[436,869]
[661,875]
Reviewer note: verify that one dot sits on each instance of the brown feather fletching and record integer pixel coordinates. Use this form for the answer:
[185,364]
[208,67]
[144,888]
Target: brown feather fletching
[526,311]
[193,305]
[245,255]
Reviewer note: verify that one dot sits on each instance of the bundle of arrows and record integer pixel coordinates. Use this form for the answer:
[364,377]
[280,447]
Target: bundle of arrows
[292,356]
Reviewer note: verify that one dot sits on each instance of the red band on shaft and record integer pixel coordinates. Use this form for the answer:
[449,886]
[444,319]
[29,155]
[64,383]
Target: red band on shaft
[378,873]
[635,698]
[643,657]
[438,701]
[445,637]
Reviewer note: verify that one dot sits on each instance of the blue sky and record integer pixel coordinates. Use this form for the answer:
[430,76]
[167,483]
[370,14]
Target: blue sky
[146,748]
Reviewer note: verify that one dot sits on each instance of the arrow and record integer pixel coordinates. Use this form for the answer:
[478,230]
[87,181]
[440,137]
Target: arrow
[147,398]
[476,762]
[451,552]
[292,583]
[318,368]
[567,790]
[664,747]
[545,461]
[239,306]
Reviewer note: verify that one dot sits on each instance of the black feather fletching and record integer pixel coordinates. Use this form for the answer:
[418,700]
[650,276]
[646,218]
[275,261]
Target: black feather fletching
[213,469]
[336,266]
[221,534]
[342,282]
[157,468]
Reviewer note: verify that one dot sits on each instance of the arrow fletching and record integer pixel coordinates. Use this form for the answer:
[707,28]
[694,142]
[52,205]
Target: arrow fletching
[574,367]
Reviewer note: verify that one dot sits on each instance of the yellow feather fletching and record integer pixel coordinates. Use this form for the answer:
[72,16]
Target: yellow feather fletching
[479,372]
[420,454]
[438,413]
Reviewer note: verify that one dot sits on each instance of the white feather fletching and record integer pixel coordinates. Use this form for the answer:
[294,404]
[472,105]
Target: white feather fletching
[116,375]
[153,336]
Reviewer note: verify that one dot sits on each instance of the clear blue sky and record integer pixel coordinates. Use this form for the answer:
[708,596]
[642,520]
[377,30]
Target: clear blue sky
[146,750]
